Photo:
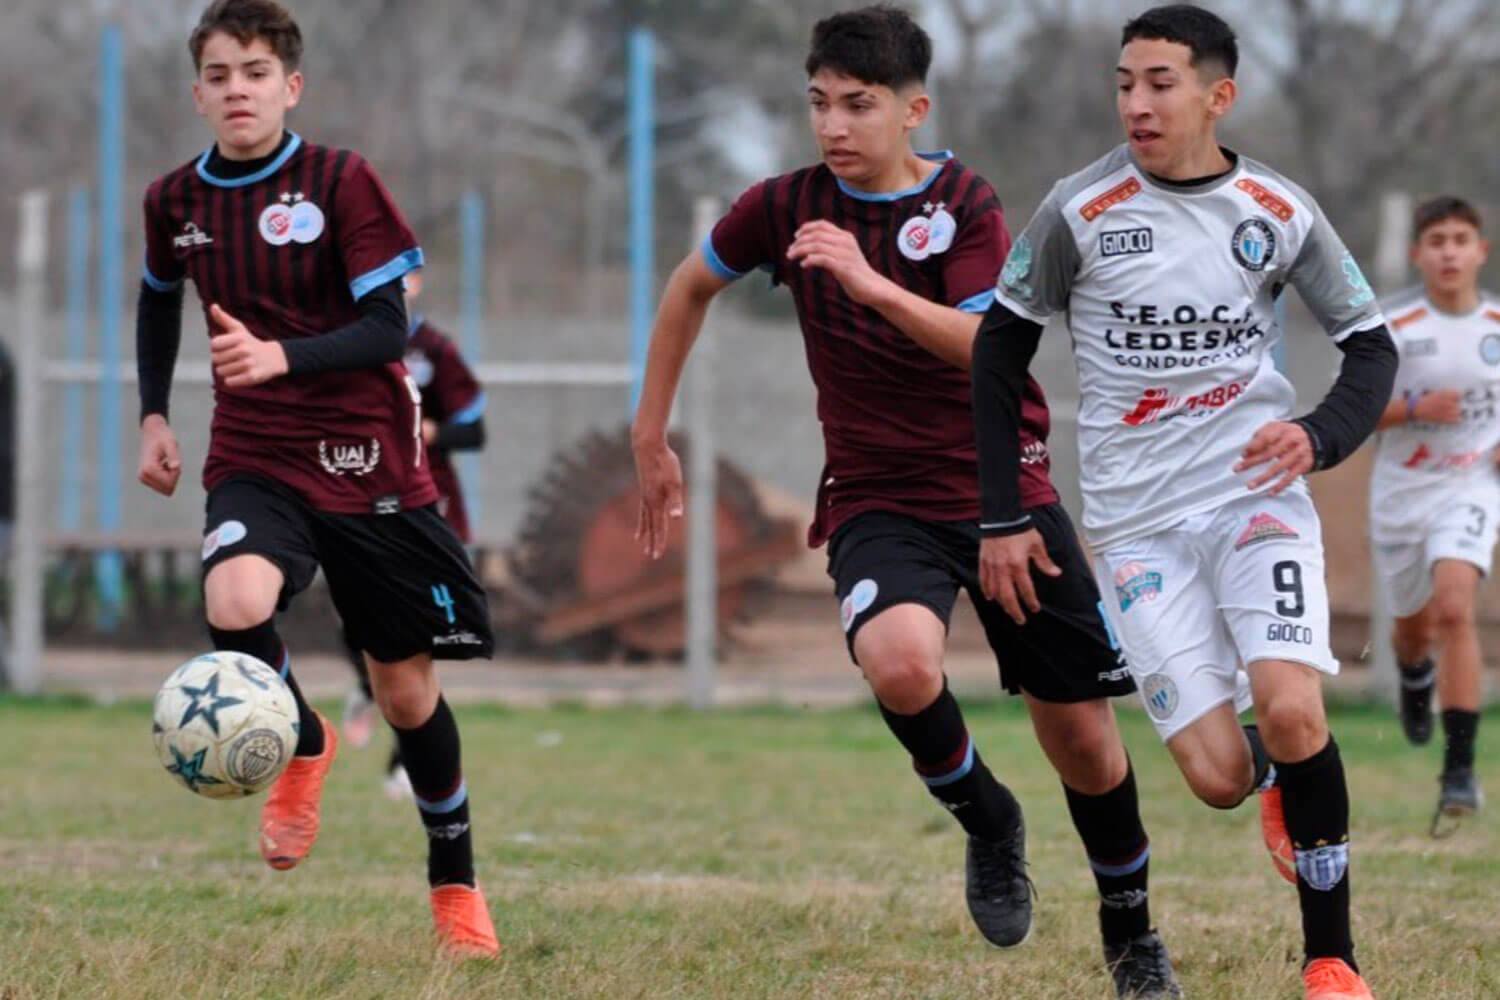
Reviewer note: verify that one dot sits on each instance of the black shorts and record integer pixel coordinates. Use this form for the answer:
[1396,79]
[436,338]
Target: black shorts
[1064,654]
[401,582]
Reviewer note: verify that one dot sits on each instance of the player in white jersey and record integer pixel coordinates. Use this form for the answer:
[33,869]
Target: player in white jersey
[1167,256]
[1435,493]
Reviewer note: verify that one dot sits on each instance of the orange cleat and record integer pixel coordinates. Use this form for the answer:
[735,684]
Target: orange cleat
[1332,979]
[289,819]
[463,922]
[1273,832]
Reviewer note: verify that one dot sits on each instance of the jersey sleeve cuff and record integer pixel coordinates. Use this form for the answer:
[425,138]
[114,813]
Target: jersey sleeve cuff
[1021,309]
[1362,325]
[156,284]
[398,266]
[999,529]
[979,304]
[716,263]
[470,413]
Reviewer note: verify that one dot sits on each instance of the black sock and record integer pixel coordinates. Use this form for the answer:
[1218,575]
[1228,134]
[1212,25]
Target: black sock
[1119,853]
[1265,771]
[262,642]
[1460,728]
[1417,675]
[395,758]
[357,661]
[431,755]
[945,759]
[1315,798]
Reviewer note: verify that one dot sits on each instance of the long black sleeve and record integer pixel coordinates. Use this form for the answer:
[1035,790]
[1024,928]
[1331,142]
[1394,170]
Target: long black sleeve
[1348,414]
[1003,349]
[378,337]
[158,333]
[458,435]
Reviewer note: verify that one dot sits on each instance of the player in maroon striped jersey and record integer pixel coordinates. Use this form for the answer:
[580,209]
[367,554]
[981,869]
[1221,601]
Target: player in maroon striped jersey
[890,257]
[315,451]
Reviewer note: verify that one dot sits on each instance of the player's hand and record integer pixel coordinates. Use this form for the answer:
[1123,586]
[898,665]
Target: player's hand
[429,431]
[1440,406]
[1005,571]
[160,464]
[660,474]
[822,244]
[1287,449]
[239,357]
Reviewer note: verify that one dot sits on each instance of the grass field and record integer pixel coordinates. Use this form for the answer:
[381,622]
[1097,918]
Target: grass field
[630,853]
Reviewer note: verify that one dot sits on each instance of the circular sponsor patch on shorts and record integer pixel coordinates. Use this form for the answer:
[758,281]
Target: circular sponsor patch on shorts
[859,600]
[225,534]
[1159,692]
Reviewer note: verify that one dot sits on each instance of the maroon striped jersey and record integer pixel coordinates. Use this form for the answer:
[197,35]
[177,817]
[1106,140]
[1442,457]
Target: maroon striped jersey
[450,395]
[898,430]
[289,250]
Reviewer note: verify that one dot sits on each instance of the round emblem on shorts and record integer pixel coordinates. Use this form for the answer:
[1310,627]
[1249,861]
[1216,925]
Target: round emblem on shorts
[1159,692]
[276,224]
[859,600]
[1489,348]
[306,222]
[1254,244]
[225,534]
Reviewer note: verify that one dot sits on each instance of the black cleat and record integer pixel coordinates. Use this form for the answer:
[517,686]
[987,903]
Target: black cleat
[1460,796]
[998,889]
[1416,704]
[1141,969]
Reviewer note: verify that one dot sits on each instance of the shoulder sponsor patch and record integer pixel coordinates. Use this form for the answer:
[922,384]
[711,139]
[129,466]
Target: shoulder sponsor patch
[1121,192]
[1264,527]
[1267,199]
[1408,318]
[1119,242]
[1017,267]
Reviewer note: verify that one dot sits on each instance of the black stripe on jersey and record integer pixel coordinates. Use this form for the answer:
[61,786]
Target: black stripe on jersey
[242,289]
[217,200]
[829,290]
[302,294]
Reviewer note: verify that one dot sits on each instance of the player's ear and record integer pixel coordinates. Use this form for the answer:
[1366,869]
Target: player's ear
[293,88]
[198,100]
[1221,96]
[918,105]
[1484,251]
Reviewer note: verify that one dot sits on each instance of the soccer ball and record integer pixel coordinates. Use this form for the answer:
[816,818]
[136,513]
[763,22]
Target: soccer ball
[225,725]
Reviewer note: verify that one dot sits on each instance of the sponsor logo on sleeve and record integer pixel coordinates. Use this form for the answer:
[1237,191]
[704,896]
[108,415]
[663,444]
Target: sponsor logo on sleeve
[1267,199]
[1358,284]
[1017,267]
[1116,195]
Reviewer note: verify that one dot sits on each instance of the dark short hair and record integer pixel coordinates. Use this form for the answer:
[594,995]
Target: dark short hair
[1206,34]
[877,44]
[1440,209]
[245,21]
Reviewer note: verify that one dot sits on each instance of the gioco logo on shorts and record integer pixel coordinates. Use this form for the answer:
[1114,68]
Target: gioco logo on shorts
[1134,582]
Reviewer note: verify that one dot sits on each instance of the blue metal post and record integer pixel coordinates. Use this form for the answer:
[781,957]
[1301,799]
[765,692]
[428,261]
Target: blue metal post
[471,332]
[107,566]
[642,198]
[76,347]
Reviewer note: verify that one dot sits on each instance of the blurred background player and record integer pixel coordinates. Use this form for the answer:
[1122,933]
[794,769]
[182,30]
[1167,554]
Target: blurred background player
[452,420]
[1166,256]
[890,256]
[315,452]
[1435,491]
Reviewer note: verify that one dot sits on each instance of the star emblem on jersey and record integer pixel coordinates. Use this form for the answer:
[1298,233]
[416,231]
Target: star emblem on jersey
[921,236]
[190,769]
[1254,244]
[206,703]
[291,218]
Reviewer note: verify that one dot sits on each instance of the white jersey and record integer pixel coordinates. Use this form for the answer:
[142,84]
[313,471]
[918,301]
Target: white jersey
[1169,292]
[1421,469]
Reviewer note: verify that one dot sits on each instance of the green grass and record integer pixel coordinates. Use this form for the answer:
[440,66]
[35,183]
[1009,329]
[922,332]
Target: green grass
[661,854]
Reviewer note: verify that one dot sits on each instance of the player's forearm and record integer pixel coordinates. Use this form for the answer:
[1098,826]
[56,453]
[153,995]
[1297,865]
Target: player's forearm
[377,338]
[460,435]
[679,319]
[1359,398]
[158,332]
[942,330]
[1002,353]
[1397,412]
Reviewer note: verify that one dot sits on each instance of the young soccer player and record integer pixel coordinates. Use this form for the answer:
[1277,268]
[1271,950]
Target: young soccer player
[452,420]
[1167,256]
[890,257]
[1435,494]
[315,451]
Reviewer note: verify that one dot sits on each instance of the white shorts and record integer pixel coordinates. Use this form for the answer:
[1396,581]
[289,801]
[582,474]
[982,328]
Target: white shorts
[1463,531]
[1193,603]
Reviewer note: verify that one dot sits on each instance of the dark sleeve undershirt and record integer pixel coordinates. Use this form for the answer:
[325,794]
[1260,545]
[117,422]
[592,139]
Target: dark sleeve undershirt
[1003,349]
[1348,414]
[158,332]
[456,436]
[378,337]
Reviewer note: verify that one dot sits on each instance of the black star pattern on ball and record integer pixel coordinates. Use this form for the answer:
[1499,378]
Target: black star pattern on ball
[206,702]
[190,769]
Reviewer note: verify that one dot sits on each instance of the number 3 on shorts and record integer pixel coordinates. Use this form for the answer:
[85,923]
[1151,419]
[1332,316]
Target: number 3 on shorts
[1286,577]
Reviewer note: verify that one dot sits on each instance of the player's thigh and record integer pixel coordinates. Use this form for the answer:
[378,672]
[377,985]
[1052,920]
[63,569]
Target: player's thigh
[1269,578]
[404,586]
[258,552]
[1214,757]
[1289,707]
[1161,606]
[1066,653]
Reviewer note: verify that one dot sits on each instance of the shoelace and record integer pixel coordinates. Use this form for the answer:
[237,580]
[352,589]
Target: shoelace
[999,868]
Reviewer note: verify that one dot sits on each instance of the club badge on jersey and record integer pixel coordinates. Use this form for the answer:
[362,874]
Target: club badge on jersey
[292,218]
[930,233]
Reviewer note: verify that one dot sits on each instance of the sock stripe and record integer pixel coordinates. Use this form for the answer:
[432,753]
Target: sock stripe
[452,802]
[286,663]
[1121,870]
[965,765]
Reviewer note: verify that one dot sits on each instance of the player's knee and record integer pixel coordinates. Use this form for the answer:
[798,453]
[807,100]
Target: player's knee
[1293,728]
[1218,788]
[406,694]
[233,609]
[1452,612]
[904,677]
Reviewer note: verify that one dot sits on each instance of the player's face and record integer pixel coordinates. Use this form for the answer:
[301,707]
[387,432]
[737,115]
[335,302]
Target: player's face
[1166,106]
[862,128]
[244,92]
[1449,254]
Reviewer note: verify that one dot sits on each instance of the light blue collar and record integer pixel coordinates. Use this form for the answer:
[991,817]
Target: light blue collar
[259,175]
[940,157]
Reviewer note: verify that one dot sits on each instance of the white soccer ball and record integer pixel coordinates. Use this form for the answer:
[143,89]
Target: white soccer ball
[225,725]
